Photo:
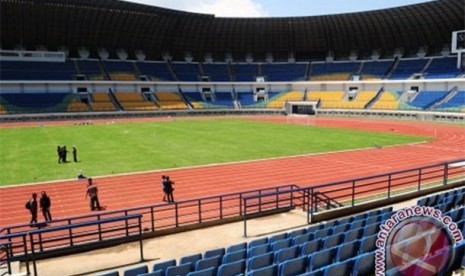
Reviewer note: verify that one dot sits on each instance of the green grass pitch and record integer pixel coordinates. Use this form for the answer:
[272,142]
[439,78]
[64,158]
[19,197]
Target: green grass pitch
[29,154]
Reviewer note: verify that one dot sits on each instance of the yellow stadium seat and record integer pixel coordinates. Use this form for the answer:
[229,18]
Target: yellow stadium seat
[101,102]
[134,101]
[388,100]
[170,100]
[331,77]
[123,77]
[281,100]
[2,109]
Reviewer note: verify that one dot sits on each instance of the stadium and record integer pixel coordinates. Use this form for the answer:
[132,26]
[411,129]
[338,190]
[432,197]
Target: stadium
[303,145]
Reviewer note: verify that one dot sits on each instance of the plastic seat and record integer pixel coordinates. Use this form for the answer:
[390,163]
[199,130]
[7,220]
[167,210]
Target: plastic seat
[163,265]
[303,238]
[371,229]
[213,262]
[296,233]
[353,235]
[341,228]
[192,259]
[281,244]
[278,237]
[231,269]
[329,224]
[373,219]
[364,265]
[113,273]
[258,242]
[333,240]
[320,259]
[347,251]
[136,271]
[271,270]
[236,247]
[368,244]
[286,254]
[322,233]
[310,247]
[344,268]
[292,267]
[204,272]
[259,250]
[214,252]
[180,270]
[260,261]
[154,273]
[357,224]
[234,256]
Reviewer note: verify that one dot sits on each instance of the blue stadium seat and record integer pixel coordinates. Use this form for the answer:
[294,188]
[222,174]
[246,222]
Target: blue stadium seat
[180,270]
[234,256]
[322,233]
[258,242]
[113,273]
[310,247]
[373,219]
[360,217]
[163,265]
[278,237]
[344,268]
[292,267]
[341,228]
[459,254]
[358,223]
[214,252]
[329,224]
[236,247]
[192,259]
[333,240]
[286,254]
[271,270]
[347,251]
[213,262]
[296,233]
[371,229]
[136,271]
[364,265]
[259,250]
[281,244]
[353,235]
[205,272]
[260,261]
[303,238]
[313,273]
[345,220]
[321,258]
[231,269]
[154,273]
[368,244]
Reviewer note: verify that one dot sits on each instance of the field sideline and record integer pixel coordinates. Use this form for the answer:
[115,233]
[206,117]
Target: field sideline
[121,147]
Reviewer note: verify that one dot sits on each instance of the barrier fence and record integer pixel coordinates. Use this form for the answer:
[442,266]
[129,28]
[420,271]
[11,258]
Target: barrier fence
[153,217]
[354,192]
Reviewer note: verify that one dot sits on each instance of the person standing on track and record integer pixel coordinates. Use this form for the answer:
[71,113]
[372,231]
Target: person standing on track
[45,204]
[92,192]
[31,205]
[169,189]
[164,186]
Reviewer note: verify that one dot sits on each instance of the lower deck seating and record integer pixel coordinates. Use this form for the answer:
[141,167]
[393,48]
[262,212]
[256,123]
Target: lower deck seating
[280,100]
[2,109]
[36,102]
[102,102]
[328,99]
[425,99]
[170,100]
[359,102]
[77,106]
[389,100]
[455,103]
[134,101]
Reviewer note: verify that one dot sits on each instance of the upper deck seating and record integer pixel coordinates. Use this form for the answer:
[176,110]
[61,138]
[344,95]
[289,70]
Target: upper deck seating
[121,70]
[373,70]
[443,68]
[245,71]
[186,71]
[216,71]
[334,71]
[156,71]
[406,68]
[284,71]
[35,70]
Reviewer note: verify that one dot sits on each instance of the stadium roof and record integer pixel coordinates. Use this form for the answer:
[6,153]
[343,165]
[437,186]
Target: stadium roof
[113,24]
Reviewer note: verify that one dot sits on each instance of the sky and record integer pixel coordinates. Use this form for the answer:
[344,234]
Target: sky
[276,8]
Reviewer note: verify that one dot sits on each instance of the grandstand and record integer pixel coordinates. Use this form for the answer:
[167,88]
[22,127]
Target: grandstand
[74,61]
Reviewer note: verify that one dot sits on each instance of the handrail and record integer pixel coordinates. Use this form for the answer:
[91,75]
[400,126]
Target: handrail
[347,192]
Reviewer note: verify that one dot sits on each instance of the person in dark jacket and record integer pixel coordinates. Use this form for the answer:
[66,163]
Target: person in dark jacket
[59,152]
[64,154]
[169,189]
[45,204]
[33,209]
[74,154]
[92,192]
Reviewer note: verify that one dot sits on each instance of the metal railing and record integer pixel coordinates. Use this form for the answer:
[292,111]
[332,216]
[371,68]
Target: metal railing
[354,192]
[154,217]
[66,237]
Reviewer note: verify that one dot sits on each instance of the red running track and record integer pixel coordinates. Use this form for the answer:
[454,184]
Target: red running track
[138,189]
